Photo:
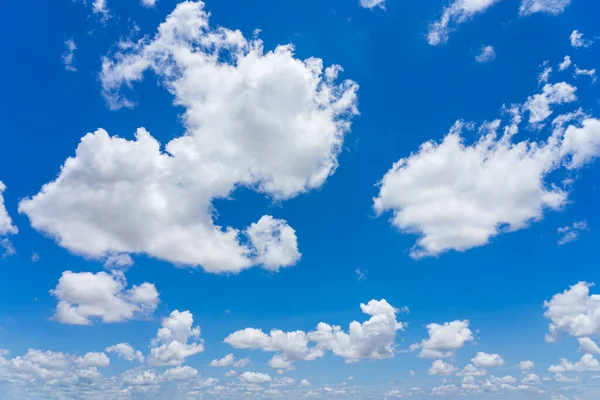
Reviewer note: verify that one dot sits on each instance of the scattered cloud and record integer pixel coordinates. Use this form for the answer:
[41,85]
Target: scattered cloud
[545,75]
[484,360]
[587,345]
[458,12]
[124,350]
[149,3]
[526,366]
[440,367]
[570,233]
[176,340]
[372,3]
[446,193]
[587,72]
[361,275]
[577,40]
[444,340]
[587,364]
[574,311]
[566,63]
[371,339]
[553,7]
[487,54]
[68,56]
[85,295]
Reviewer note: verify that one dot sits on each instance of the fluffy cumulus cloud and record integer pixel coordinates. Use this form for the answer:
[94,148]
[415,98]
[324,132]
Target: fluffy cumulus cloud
[372,3]
[373,338]
[574,311]
[587,364]
[226,361]
[484,360]
[263,120]
[587,345]
[179,373]
[487,54]
[176,340]
[149,3]
[47,374]
[526,366]
[458,12]
[445,339]
[554,7]
[82,296]
[254,377]
[440,367]
[539,105]
[448,192]
[124,350]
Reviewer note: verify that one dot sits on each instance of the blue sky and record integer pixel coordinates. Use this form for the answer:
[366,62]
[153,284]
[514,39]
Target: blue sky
[184,189]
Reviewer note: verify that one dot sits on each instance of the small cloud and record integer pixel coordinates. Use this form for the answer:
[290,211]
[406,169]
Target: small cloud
[589,72]
[361,274]
[487,54]
[35,257]
[372,3]
[149,3]
[570,233]
[68,56]
[577,40]
[565,64]
[9,249]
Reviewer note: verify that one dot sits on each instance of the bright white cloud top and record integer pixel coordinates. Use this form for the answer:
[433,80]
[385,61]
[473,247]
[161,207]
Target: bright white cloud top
[458,12]
[84,295]
[554,7]
[6,224]
[266,121]
[371,339]
[176,340]
[451,193]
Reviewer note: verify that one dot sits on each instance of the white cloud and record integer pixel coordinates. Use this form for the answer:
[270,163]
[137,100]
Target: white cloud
[125,351]
[68,56]
[587,364]
[94,360]
[447,194]
[372,3]
[6,224]
[223,362]
[531,379]
[526,366]
[545,75]
[262,120]
[46,369]
[539,104]
[230,373]
[149,3]
[577,40]
[179,373]
[587,345]
[439,367]
[254,378]
[484,360]
[456,13]
[586,72]
[371,339]
[566,63]
[304,382]
[581,143]
[84,295]
[100,7]
[487,54]
[171,347]
[361,274]
[574,311]
[445,339]
[275,243]
[140,378]
[242,363]
[553,7]
[471,370]
[282,382]
[570,233]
